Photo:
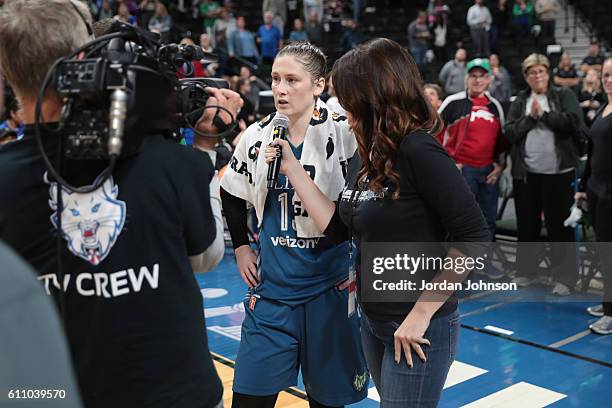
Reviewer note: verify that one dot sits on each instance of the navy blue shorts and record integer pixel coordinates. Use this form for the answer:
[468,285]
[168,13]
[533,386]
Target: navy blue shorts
[278,339]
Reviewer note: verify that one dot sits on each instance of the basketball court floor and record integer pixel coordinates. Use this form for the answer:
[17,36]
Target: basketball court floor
[511,354]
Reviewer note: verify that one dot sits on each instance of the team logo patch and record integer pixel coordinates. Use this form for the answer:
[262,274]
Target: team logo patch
[254,150]
[336,117]
[360,381]
[319,115]
[92,222]
[266,121]
[329,148]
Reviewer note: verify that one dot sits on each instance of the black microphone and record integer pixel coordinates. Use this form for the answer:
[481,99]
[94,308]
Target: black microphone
[279,126]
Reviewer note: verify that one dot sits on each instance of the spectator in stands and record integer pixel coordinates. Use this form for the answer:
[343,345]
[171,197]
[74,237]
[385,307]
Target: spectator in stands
[452,75]
[315,6]
[542,122]
[352,37]
[161,22]
[314,30]
[522,18]
[298,33]
[212,68]
[501,83]
[565,73]
[334,14]
[197,68]
[358,7]
[295,9]
[500,13]
[11,126]
[256,85]
[225,24]
[591,96]
[596,188]
[594,59]
[106,11]
[147,10]
[438,12]
[123,14]
[479,20]
[473,122]
[247,112]
[241,43]
[434,93]
[278,8]
[270,40]
[418,36]
[332,102]
[132,6]
[209,11]
[546,12]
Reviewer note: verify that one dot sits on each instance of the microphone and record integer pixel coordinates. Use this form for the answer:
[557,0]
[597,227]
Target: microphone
[279,126]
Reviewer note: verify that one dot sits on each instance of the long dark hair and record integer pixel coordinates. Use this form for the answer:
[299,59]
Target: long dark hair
[379,84]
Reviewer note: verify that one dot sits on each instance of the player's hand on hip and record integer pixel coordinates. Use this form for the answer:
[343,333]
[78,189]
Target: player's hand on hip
[246,259]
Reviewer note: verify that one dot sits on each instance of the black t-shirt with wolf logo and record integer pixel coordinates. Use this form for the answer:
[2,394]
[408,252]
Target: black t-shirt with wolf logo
[134,314]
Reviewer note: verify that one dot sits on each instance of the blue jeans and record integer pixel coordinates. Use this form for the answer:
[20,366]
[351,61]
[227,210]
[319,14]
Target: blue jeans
[418,53]
[398,385]
[486,194]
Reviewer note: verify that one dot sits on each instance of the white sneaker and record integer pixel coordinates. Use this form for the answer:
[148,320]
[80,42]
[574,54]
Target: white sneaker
[602,326]
[596,311]
[561,290]
[522,281]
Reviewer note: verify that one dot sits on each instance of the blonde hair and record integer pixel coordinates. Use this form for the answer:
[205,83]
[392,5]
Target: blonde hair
[596,86]
[534,59]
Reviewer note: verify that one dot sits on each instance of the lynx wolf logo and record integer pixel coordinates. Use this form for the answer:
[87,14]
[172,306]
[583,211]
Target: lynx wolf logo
[91,222]
[360,380]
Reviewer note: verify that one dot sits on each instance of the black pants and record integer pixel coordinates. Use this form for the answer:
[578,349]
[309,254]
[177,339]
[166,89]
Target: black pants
[548,30]
[600,213]
[553,195]
[265,401]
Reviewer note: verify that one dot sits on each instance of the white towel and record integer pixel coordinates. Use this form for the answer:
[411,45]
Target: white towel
[327,147]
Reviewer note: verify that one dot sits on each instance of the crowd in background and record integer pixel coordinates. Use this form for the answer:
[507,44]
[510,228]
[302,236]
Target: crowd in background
[474,91]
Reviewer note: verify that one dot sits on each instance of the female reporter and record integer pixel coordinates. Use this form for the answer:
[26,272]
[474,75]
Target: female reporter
[401,187]
[295,314]
[596,187]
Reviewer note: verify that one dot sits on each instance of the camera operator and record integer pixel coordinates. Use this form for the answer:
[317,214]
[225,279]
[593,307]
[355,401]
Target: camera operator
[131,308]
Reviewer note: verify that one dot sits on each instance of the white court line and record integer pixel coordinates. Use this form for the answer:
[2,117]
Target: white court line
[524,394]
[458,373]
[499,330]
[373,394]
[570,339]
[233,332]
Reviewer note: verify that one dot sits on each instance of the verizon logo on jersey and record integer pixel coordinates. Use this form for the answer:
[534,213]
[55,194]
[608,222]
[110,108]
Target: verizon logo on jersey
[302,243]
[103,284]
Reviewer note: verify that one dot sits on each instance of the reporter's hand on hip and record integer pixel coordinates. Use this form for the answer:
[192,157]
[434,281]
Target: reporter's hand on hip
[409,336]
[246,260]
